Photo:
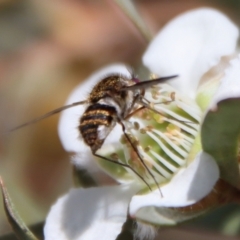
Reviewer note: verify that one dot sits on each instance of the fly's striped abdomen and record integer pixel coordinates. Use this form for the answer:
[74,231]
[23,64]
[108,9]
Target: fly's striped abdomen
[96,123]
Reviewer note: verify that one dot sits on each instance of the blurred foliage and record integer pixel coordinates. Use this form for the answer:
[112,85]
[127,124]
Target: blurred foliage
[37,229]
[220,139]
[19,227]
[19,24]
[217,220]
[46,49]
[229,3]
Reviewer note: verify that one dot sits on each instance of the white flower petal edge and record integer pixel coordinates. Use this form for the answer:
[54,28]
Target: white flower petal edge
[187,187]
[69,120]
[89,214]
[230,83]
[190,45]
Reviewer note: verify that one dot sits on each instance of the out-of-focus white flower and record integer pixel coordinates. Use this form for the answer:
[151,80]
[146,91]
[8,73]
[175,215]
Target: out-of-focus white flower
[192,45]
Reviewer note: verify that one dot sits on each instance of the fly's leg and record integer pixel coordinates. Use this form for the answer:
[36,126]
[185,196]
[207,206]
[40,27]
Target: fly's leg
[148,106]
[124,165]
[134,112]
[139,156]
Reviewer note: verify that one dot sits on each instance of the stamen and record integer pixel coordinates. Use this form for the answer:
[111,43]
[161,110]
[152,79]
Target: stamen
[181,141]
[171,143]
[161,170]
[123,140]
[143,131]
[173,156]
[182,126]
[147,149]
[114,156]
[192,111]
[187,140]
[166,163]
[163,109]
[136,125]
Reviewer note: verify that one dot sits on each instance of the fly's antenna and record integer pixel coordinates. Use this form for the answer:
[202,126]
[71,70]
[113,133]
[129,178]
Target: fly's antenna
[55,111]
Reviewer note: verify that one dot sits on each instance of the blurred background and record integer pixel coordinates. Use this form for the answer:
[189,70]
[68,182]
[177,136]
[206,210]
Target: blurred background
[46,49]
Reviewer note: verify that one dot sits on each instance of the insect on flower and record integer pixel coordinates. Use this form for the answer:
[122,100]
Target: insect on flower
[112,100]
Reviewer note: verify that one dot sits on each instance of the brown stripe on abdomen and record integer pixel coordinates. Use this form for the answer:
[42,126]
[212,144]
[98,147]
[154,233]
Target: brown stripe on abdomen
[94,116]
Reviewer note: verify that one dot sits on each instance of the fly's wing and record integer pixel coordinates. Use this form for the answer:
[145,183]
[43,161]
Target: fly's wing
[55,111]
[148,83]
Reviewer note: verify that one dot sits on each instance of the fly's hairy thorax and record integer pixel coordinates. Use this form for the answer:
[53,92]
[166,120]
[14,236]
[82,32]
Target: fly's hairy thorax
[108,102]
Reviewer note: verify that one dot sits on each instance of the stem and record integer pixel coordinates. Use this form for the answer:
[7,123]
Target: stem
[129,9]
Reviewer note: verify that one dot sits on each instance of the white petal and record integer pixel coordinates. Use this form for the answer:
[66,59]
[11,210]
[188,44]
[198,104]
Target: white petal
[69,121]
[188,186]
[84,158]
[230,84]
[190,45]
[89,214]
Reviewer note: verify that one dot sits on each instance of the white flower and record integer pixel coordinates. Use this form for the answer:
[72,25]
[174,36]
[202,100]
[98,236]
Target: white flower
[190,45]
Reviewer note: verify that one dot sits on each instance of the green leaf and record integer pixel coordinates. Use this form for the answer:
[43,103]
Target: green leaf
[36,228]
[21,230]
[220,137]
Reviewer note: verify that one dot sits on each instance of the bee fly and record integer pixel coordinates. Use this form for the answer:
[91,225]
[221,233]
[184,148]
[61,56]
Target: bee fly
[114,99]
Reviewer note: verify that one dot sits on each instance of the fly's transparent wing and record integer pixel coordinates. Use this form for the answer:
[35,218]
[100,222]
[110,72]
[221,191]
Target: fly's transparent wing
[55,111]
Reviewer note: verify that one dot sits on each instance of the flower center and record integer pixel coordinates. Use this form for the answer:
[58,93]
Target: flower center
[163,135]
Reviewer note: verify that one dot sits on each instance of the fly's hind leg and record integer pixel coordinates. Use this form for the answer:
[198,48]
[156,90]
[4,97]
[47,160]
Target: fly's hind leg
[139,156]
[124,165]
